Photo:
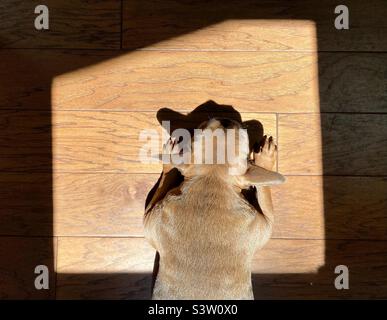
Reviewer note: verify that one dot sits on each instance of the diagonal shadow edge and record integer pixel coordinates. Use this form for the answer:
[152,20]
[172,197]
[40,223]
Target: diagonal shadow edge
[43,163]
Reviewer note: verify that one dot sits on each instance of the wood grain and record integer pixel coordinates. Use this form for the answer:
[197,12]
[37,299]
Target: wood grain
[352,82]
[72,24]
[94,268]
[91,267]
[70,121]
[336,144]
[144,81]
[305,207]
[248,25]
[109,141]
[204,25]
[26,204]
[242,25]
[303,269]
[18,259]
[315,207]
[101,204]
[25,141]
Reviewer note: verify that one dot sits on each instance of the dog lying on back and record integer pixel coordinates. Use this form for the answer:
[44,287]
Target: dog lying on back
[205,230]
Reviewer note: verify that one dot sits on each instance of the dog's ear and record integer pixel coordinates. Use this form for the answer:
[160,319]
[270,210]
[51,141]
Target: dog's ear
[258,176]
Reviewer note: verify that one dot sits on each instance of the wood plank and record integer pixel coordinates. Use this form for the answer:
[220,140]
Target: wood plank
[121,268]
[83,141]
[101,204]
[285,82]
[248,25]
[289,269]
[25,141]
[18,259]
[148,81]
[336,144]
[202,25]
[26,204]
[109,141]
[352,82]
[72,24]
[250,81]
[26,76]
[95,268]
[315,207]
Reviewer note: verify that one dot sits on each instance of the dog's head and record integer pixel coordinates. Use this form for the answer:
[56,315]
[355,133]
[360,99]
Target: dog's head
[221,146]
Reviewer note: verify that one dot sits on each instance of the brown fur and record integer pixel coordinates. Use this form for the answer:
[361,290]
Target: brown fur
[206,232]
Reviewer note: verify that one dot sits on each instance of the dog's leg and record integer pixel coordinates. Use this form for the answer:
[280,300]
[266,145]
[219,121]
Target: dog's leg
[168,181]
[169,178]
[266,158]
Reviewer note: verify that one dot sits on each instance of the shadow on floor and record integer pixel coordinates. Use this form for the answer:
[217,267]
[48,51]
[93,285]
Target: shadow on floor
[26,149]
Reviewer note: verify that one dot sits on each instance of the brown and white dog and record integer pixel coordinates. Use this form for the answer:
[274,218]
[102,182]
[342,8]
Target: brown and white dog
[205,230]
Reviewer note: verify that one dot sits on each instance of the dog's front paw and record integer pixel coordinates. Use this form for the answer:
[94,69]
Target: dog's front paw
[170,148]
[267,154]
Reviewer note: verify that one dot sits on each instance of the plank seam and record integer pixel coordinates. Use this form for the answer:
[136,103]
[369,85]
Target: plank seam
[128,49]
[155,111]
[121,24]
[142,237]
[277,137]
[56,265]
[157,173]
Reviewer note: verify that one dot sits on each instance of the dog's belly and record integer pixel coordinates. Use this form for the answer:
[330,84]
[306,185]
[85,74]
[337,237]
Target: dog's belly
[205,249]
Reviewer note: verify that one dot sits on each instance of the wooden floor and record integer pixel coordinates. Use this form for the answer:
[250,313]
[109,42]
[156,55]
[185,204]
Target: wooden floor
[74,99]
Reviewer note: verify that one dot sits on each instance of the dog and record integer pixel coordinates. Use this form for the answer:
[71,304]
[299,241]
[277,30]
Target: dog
[205,231]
